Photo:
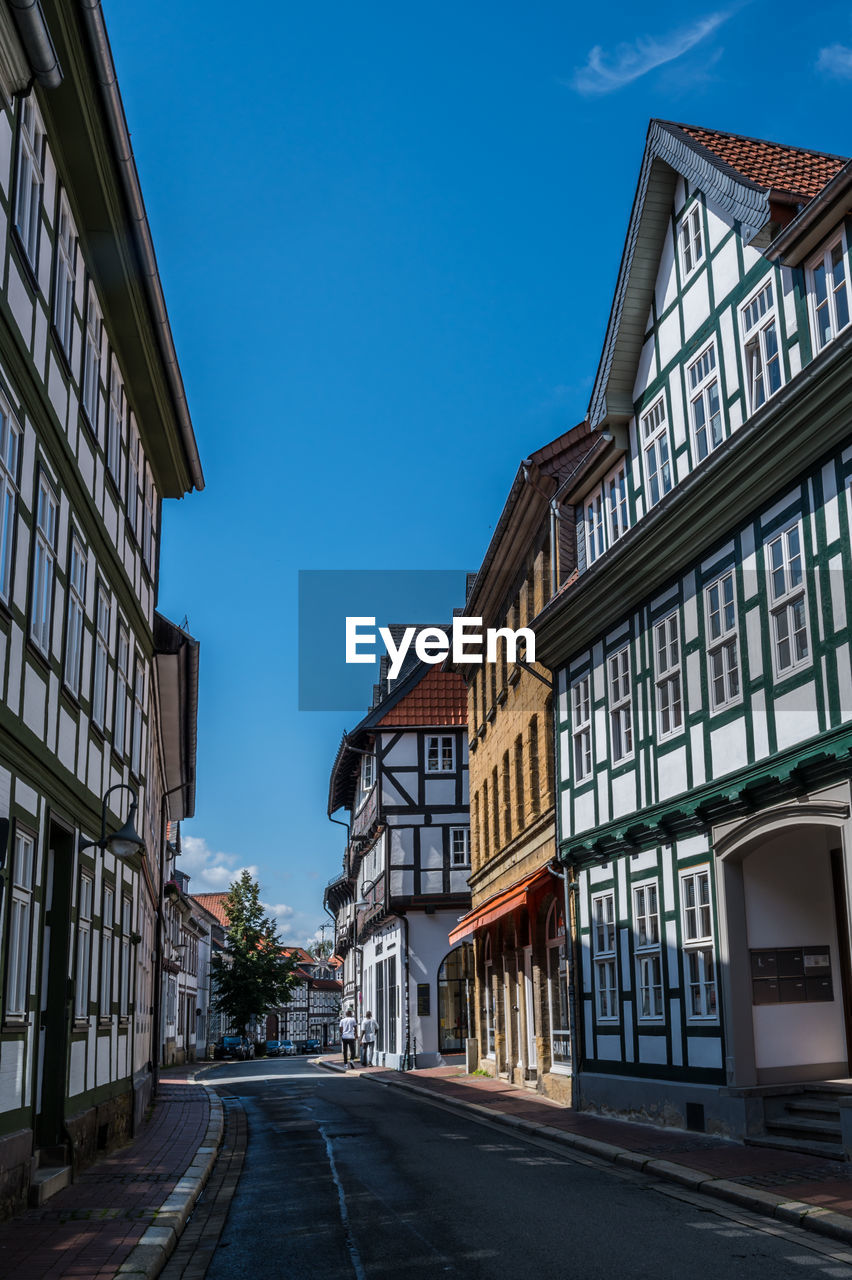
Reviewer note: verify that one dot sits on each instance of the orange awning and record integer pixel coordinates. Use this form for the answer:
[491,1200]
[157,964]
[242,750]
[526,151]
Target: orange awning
[498,906]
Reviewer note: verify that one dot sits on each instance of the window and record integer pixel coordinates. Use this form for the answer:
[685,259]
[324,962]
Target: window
[28,191]
[99,681]
[829,292]
[788,601]
[122,691]
[520,813]
[115,426]
[460,846]
[691,240]
[440,755]
[368,775]
[10,452]
[646,950]
[20,927]
[557,989]
[84,947]
[92,359]
[581,723]
[722,643]
[66,270]
[705,407]
[138,709]
[107,923]
[762,353]
[132,497]
[76,613]
[149,523]
[124,993]
[667,657]
[606,514]
[44,565]
[603,942]
[535,773]
[655,443]
[697,928]
[620,720]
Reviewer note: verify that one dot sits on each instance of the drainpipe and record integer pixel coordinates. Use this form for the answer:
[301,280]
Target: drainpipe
[38,46]
[405,1064]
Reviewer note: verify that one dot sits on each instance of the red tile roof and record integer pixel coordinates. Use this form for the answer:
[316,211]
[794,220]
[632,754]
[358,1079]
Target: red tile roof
[215,904]
[439,699]
[792,170]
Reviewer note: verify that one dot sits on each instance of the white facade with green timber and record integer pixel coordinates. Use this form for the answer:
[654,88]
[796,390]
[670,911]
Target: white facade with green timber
[704,714]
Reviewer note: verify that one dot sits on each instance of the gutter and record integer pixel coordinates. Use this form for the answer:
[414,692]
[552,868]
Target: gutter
[117,122]
[38,46]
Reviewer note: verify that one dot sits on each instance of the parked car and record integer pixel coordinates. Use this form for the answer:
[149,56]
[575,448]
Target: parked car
[234,1047]
[287,1047]
[273,1048]
[312,1046]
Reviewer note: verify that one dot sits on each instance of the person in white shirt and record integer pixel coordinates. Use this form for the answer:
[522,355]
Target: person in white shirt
[369,1030]
[348,1032]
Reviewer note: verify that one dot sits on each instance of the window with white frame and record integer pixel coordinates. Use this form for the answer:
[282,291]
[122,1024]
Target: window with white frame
[10,452]
[30,184]
[44,564]
[788,607]
[20,927]
[106,967]
[124,990]
[761,349]
[723,660]
[440,754]
[149,522]
[705,407]
[606,513]
[557,988]
[655,446]
[615,488]
[115,423]
[603,943]
[581,727]
[138,709]
[691,237]
[460,846]
[620,710]
[828,290]
[92,359]
[646,952]
[595,538]
[66,271]
[368,772]
[121,718]
[697,934]
[84,946]
[103,606]
[76,613]
[668,675]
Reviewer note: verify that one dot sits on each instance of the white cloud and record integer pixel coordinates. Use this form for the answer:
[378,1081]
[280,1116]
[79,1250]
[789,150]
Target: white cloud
[209,871]
[836,60]
[604,73]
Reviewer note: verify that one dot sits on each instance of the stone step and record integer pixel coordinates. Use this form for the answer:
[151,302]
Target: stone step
[828,1150]
[806,1127]
[814,1107]
[46,1181]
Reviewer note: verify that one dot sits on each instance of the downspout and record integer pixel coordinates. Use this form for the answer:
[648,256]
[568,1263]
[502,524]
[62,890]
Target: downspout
[38,46]
[405,1064]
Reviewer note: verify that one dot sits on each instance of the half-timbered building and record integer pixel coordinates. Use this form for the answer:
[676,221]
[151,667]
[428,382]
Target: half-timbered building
[94,434]
[704,681]
[401,775]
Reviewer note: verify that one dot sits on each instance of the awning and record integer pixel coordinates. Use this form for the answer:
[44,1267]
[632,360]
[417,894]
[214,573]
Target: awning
[500,905]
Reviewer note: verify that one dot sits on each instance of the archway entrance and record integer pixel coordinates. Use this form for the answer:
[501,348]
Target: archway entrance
[455,996]
[786,909]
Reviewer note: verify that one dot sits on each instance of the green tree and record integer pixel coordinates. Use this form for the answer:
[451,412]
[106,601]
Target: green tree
[252,975]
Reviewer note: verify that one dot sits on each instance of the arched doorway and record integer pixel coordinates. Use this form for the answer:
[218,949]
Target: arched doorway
[455,994]
[783,893]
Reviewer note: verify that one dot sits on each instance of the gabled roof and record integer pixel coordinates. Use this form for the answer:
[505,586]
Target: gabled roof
[439,700]
[214,903]
[739,176]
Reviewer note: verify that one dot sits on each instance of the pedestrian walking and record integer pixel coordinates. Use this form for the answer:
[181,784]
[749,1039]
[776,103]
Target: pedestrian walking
[369,1031]
[348,1032]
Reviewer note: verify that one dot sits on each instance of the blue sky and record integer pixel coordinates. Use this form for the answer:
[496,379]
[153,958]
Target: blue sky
[388,236]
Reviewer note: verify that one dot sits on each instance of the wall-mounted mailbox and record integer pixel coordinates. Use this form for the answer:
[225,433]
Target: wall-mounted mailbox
[791,975]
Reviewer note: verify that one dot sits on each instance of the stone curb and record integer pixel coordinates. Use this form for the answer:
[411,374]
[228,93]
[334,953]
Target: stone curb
[149,1256]
[797,1213]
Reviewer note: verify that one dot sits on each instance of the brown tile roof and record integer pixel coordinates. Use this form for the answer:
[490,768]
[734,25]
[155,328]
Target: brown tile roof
[792,170]
[439,699]
[215,904]
[303,956]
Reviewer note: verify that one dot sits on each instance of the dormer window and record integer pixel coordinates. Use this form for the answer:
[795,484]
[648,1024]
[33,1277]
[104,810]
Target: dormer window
[761,350]
[691,239]
[606,513]
[828,289]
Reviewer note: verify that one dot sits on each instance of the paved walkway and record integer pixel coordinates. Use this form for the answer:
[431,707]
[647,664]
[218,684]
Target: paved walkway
[127,1210]
[809,1191]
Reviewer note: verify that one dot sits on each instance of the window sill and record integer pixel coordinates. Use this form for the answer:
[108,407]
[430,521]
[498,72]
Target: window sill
[104,1022]
[90,426]
[59,347]
[80,1024]
[41,658]
[16,1026]
[560,1069]
[30,269]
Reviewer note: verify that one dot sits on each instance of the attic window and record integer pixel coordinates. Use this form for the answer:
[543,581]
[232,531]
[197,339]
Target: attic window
[828,291]
[691,240]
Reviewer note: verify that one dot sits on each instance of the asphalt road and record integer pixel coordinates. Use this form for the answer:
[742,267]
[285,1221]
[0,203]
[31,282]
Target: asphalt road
[345,1179]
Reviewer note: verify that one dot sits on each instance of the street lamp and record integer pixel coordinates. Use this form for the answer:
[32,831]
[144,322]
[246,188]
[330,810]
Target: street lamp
[126,841]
